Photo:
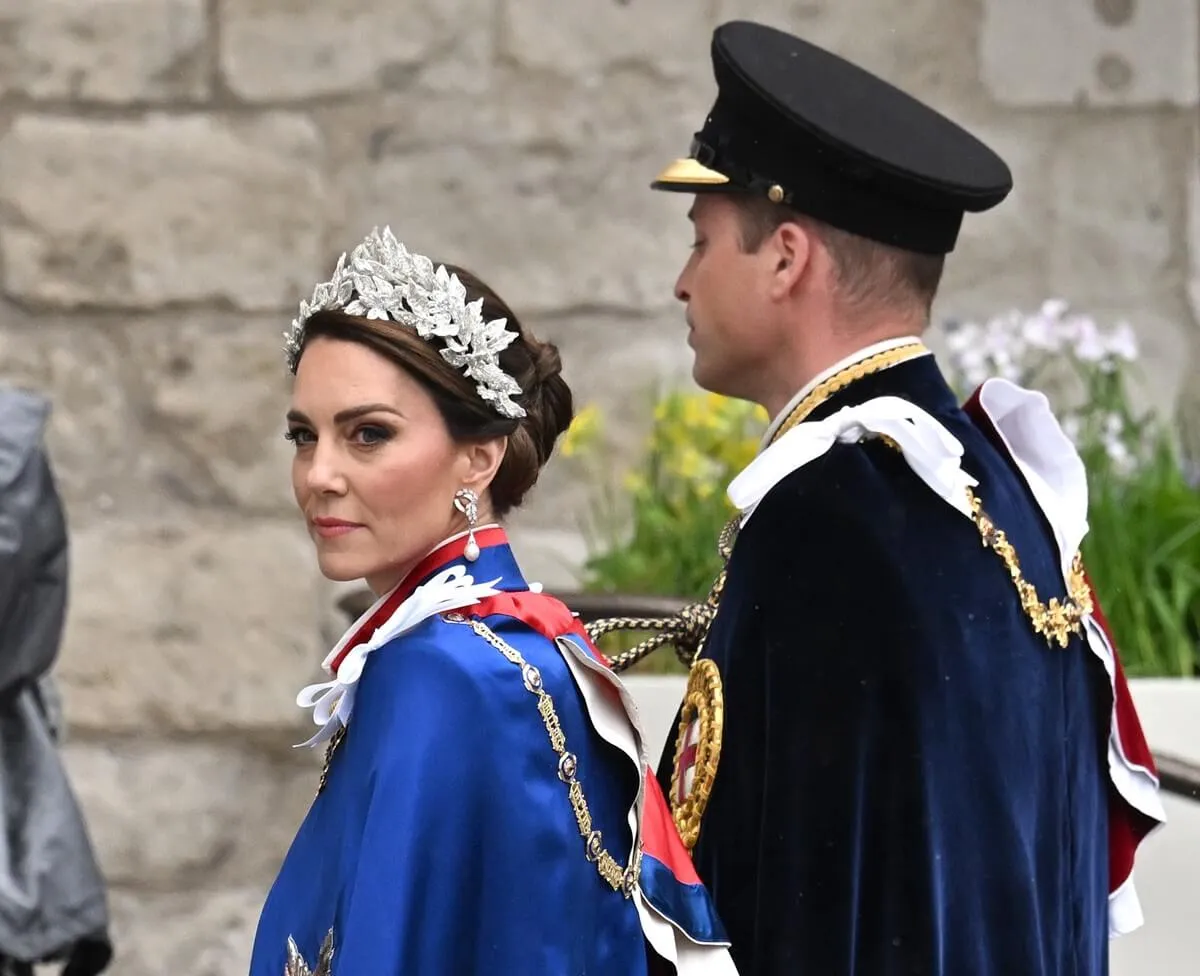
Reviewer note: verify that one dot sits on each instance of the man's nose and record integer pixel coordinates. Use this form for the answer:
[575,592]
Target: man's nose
[681,288]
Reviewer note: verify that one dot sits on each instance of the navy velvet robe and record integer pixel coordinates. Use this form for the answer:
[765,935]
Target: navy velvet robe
[912,782]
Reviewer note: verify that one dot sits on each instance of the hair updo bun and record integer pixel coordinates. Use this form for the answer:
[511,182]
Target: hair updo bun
[535,365]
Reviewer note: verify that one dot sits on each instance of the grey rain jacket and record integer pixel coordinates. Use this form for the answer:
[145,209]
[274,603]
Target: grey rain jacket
[53,905]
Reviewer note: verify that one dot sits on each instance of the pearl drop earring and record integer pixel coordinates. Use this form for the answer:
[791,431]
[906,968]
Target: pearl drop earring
[467,502]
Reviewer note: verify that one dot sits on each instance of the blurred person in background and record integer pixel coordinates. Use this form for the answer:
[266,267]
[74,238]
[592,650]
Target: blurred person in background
[485,805]
[53,906]
[922,757]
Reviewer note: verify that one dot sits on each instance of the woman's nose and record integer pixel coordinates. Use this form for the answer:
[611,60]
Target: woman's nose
[324,471]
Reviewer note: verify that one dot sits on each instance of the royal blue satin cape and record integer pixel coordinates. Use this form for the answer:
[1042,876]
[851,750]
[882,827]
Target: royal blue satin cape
[444,842]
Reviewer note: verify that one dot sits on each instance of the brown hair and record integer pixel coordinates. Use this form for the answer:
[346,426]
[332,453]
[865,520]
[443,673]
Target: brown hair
[535,365]
[869,273]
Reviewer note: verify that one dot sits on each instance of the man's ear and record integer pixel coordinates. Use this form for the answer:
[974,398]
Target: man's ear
[790,251]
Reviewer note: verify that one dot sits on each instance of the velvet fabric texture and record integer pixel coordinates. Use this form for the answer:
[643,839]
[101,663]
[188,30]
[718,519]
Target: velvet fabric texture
[912,782]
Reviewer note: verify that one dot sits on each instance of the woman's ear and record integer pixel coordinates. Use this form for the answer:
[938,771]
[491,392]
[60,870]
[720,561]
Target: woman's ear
[482,462]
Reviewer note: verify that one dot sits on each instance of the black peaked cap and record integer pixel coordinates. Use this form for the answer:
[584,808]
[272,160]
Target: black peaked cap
[802,126]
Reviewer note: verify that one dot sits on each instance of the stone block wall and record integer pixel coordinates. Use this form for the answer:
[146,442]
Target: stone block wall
[174,176]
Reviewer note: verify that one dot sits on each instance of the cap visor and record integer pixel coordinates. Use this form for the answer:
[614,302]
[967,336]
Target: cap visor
[688,174]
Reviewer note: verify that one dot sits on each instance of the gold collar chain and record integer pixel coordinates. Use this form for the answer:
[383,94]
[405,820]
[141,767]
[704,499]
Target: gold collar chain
[1056,621]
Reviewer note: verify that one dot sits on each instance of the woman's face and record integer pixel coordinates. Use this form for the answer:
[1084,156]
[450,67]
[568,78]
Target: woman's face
[375,469]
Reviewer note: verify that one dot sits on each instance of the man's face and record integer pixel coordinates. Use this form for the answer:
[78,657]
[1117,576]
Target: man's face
[724,289]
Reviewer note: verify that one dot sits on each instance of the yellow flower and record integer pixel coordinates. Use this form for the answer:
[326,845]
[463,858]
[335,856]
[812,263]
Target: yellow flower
[735,455]
[584,430]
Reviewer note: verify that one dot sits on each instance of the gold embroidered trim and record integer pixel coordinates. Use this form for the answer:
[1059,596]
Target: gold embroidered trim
[296,966]
[704,704]
[622,879]
[851,374]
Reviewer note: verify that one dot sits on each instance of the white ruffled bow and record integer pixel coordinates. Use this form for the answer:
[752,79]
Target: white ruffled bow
[933,453]
[333,701]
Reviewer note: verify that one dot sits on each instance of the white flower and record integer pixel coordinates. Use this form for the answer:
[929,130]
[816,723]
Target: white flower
[1041,332]
[1054,308]
[1120,456]
[1014,344]
[1122,342]
[962,337]
[1090,346]
[1073,427]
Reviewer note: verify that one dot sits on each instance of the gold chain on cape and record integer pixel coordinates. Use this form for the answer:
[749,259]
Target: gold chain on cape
[621,878]
[687,630]
[330,749]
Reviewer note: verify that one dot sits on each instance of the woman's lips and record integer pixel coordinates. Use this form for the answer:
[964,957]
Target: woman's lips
[331,528]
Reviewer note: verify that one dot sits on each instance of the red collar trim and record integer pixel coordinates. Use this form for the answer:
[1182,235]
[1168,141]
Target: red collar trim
[440,557]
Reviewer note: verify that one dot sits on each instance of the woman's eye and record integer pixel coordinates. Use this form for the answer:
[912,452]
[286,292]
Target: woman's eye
[370,434]
[298,436]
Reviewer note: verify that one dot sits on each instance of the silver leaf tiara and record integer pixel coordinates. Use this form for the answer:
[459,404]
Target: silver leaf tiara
[384,280]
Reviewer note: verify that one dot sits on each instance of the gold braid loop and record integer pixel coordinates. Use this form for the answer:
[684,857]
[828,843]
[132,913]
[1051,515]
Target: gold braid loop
[685,631]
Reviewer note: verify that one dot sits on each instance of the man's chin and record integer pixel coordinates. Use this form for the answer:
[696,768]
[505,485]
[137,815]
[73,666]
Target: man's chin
[707,378]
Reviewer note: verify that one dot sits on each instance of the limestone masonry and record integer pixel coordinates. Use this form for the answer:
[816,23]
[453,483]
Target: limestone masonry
[175,175]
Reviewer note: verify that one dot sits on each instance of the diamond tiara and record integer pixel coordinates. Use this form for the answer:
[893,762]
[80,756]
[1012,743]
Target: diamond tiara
[384,280]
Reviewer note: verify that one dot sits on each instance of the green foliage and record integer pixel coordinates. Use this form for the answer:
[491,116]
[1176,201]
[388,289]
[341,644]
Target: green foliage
[675,499]
[656,533]
[1143,554]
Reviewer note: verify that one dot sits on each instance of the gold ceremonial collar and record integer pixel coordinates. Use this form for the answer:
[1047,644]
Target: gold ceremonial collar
[844,377]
